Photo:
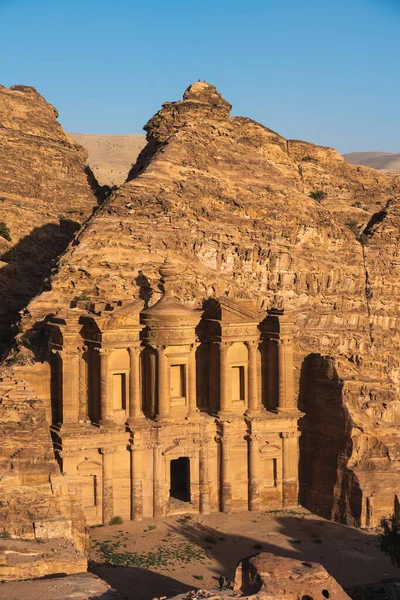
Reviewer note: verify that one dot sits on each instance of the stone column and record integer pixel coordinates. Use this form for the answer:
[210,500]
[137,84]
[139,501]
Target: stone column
[108,493]
[135,396]
[224,400]
[286,399]
[290,468]
[158,482]
[204,482]
[106,411]
[83,387]
[226,481]
[163,408]
[70,387]
[254,402]
[192,392]
[254,473]
[136,484]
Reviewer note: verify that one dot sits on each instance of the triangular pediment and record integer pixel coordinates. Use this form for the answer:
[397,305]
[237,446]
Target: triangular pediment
[232,310]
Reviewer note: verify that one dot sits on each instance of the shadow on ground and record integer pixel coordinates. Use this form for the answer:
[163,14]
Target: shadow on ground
[350,555]
[140,584]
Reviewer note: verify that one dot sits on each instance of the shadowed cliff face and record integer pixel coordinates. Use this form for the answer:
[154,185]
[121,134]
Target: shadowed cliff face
[228,200]
[46,192]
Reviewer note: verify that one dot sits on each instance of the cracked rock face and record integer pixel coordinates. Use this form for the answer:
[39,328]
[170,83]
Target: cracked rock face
[228,200]
[46,192]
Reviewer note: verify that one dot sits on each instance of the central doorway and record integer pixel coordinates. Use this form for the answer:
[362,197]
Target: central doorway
[180,479]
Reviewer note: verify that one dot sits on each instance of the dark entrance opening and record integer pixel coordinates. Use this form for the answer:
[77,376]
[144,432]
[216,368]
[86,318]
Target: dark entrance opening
[180,479]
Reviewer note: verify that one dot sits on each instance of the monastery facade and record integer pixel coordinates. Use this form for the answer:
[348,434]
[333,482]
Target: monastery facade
[167,410]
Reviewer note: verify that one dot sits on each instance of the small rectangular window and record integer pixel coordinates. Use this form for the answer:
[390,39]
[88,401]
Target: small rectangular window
[237,382]
[119,391]
[177,381]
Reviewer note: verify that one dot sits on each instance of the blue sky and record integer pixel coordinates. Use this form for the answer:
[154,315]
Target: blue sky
[326,71]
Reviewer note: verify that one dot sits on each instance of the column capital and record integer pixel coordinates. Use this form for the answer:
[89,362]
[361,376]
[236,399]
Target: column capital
[290,434]
[252,343]
[107,450]
[103,351]
[134,348]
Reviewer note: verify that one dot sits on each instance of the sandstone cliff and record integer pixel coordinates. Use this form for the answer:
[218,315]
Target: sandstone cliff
[229,201]
[46,192]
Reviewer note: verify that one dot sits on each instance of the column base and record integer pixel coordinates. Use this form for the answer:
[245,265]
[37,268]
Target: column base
[107,424]
[194,416]
[140,420]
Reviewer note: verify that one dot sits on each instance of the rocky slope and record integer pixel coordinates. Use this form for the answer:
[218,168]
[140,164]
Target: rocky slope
[383,161]
[229,201]
[46,192]
[36,505]
[111,156]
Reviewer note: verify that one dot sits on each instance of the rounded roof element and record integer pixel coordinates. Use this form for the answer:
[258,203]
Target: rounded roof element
[168,311]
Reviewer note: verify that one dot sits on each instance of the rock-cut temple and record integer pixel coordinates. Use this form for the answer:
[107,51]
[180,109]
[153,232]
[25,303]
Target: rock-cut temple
[166,409]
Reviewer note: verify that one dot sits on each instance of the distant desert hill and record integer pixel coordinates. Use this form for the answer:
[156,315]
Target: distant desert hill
[111,156]
[383,161]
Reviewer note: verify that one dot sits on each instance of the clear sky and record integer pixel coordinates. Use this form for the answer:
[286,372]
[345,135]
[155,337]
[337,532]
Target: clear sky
[326,71]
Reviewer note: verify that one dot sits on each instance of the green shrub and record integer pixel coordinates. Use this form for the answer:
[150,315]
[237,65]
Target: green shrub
[5,535]
[4,231]
[356,204]
[318,195]
[116,521]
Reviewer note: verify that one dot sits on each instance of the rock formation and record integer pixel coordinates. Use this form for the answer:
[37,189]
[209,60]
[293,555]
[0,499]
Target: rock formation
[46,192]
[228,201]
[269,577]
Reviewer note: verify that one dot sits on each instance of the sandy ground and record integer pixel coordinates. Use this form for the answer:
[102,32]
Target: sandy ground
[352,556]
[111,156]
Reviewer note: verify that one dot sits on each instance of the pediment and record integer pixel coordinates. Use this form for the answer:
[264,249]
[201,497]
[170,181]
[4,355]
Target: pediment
[232,310]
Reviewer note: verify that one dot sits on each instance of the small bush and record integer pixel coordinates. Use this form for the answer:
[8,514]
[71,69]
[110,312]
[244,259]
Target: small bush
[318,195]
[258,546]
[352,225]
[199,577]
[116,521]
[296,541]
[356,204]
[5,535]
[318,540]
[4,231]
[362,239]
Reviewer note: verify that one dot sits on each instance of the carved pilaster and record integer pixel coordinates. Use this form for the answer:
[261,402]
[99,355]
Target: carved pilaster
[223,377]
[225,476]
[105,395]
[136,484]
[290,467]
[254,472]
[108,492]
[254,401]
[135,396]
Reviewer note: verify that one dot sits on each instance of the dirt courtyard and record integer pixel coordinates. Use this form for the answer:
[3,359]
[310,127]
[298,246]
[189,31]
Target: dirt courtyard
[153,558]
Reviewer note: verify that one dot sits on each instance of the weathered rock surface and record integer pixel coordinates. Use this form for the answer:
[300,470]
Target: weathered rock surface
[46,192]
[35,501]
[111,156]
[82,586]
[228,200]
[269,577]
[280,578]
